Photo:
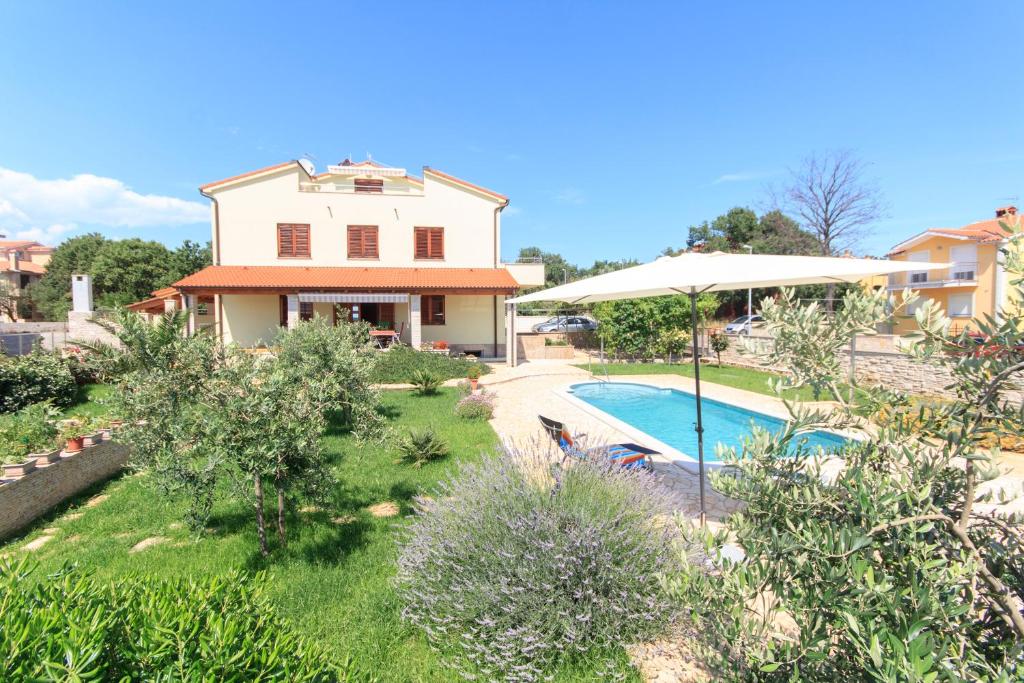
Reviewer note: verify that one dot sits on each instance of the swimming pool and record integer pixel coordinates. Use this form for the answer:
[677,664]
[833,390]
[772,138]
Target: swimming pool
[669,416]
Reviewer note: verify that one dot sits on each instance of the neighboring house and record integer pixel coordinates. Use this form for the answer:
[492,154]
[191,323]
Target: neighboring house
[363,241]
[975,284]
[22,262]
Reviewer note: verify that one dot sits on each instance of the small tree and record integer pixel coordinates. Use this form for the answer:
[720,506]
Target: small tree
[719,342]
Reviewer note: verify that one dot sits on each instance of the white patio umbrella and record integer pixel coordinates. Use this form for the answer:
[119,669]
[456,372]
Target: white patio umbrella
[693,274]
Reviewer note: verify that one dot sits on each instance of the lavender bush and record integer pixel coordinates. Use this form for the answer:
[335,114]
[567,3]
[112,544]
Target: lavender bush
[517,564]
[475,407]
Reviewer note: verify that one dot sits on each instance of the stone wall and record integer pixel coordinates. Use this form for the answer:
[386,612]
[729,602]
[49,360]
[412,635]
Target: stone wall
[82,326]
[531,346]
[873,365]
[23,499]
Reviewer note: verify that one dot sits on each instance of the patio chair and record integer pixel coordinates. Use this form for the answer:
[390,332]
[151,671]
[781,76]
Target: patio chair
[625,454]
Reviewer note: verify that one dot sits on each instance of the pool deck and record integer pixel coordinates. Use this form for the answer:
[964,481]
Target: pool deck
[537,388]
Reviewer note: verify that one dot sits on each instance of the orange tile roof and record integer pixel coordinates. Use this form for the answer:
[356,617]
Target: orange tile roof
[982,231]
[242,176]
[293,278]
[24,267]
[460,181]
[18,244]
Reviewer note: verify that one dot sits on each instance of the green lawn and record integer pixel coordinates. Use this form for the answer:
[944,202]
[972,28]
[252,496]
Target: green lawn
[334,581]
[731,376]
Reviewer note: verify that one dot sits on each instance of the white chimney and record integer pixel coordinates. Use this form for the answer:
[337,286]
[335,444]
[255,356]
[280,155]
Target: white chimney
[81,293]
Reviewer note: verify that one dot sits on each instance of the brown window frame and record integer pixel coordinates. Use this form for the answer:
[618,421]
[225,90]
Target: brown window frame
[362,231]
[282,310]
[426,314]
[294,242]
[428,233]
[368,185]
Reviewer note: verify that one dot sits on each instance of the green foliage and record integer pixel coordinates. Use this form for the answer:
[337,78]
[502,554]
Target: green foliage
[426,383]
[673,342]
[32,429]
[71,626]
[634,328]
[473,372]
[143,344]
[514,567]
[890,569]
[421,446]
[475,407]
[123,271]
[34,377]
[558,271]
[550,341]
[397,365]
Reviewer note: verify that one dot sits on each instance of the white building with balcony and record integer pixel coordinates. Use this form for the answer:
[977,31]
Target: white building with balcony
[419,257]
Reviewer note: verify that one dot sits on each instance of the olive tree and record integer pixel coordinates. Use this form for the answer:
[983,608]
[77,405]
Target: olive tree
[890,567]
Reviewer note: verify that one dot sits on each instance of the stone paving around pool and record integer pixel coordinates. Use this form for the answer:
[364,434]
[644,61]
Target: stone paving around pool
[534,388]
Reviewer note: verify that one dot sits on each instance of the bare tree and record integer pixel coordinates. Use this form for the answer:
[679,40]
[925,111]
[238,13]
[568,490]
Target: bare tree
[834,200]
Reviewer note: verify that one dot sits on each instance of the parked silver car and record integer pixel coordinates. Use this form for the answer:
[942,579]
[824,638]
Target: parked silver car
[744,324]
[566,323]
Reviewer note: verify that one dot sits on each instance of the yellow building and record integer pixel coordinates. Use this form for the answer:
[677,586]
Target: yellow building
[975,284]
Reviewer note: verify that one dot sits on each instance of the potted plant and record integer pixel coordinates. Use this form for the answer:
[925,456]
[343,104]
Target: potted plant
[26,437]
[74,432]
[473,373]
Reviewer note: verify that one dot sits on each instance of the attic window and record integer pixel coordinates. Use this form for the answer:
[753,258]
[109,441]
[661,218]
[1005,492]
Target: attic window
[369,185]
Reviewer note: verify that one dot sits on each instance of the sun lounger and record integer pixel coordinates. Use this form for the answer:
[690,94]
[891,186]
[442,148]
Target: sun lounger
[624,454]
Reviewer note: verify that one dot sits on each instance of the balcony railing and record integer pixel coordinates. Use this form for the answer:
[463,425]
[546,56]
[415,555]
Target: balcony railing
[958,275]
[522,259]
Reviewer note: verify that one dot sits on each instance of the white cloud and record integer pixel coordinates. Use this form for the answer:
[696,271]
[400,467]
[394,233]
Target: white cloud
[741,177]
[34,208]
[571,195]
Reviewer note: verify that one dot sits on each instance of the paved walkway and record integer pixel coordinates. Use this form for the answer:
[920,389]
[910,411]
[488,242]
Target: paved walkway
[533,388]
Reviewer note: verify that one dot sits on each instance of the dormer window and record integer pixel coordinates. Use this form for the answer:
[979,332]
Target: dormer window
[369,185]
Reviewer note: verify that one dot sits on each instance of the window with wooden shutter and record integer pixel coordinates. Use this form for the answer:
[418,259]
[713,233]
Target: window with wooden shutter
[369,186]
[432,309]
[429,243]
[362,241]
[292,240]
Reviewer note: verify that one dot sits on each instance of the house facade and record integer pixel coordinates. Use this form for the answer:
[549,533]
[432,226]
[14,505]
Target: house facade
[362,241]
[22,262]
[975,284]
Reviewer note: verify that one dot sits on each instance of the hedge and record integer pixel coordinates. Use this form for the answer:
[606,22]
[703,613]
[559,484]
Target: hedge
[34,377]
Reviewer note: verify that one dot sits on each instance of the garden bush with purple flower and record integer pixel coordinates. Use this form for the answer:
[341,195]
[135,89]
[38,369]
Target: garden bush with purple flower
[475,407]
[517,565]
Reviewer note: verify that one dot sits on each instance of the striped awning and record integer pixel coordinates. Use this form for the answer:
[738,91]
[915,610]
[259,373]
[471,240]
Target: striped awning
[341,298]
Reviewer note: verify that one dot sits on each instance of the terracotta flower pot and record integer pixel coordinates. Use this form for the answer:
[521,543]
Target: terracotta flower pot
[107,433]
[46,458]
[91,439]
[75,444]
[19,469]
[473,382]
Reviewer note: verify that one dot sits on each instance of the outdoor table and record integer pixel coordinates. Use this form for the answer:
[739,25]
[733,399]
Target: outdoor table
[384,338]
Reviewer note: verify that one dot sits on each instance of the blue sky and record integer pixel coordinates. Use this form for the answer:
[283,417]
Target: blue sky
[612,126]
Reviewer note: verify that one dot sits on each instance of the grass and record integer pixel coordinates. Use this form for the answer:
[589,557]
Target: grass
[89,401]
[335,579]
[729,375]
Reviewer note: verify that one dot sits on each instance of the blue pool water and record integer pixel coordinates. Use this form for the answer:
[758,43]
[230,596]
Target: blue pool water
[669,415]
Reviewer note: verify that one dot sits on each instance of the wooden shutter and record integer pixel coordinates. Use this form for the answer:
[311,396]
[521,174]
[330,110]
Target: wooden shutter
[429,243]
[292,240]
[283,310]
[362,241]
[386,315]
[369,185]
[433,309]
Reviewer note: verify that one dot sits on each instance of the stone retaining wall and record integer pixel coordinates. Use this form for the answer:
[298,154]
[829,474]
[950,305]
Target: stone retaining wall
[531,346]
[24,499]
[892,369]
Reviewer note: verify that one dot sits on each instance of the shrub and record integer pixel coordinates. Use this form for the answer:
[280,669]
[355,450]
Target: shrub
[473,372]
[550,341]
[34,377]
[398,364]
[719,342]
[475,407]
[515,565]
[425,382]
[74,627]
[30,430]
[421,446]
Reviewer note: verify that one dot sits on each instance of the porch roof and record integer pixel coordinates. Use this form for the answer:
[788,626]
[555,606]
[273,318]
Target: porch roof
[290,279]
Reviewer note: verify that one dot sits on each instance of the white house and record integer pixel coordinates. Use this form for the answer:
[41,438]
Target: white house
[362,241]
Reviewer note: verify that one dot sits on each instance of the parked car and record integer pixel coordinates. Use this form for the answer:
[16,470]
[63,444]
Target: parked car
[743,324]
[566,323]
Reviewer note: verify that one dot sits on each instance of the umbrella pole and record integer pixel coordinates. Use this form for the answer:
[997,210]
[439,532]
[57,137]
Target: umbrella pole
[700,425]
